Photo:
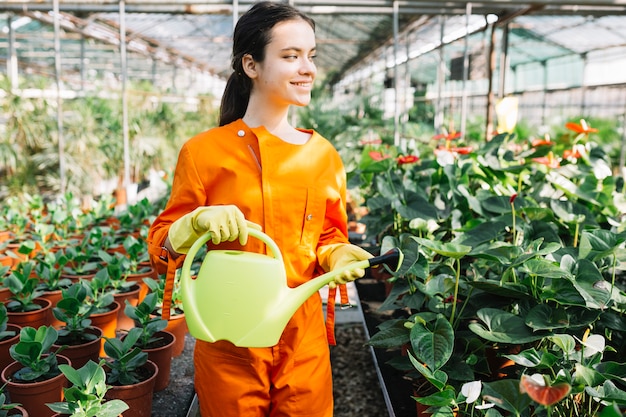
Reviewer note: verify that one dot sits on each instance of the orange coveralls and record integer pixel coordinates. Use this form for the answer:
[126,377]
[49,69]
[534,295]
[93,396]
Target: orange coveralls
[297,193]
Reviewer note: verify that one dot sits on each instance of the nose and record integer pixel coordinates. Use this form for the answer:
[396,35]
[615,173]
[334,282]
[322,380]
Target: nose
[308,67]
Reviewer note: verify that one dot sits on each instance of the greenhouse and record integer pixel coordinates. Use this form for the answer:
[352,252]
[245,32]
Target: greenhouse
[484,141]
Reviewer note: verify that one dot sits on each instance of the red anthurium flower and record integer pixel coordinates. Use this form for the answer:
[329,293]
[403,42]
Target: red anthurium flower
[571,153]
[378,156]
[550,161]
[583,127]
[541,142]
[543,394]
[408,159]
[448,136]
[463,150]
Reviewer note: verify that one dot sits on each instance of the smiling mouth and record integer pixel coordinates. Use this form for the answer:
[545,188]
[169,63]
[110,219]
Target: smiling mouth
[307,84]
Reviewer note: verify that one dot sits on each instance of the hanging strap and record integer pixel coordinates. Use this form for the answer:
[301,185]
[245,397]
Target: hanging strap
[160,256]
[330,310]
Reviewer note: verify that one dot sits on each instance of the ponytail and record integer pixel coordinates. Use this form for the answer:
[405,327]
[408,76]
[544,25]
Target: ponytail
[235,98]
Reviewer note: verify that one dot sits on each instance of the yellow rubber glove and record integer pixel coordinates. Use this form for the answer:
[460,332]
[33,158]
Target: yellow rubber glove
[337,255]
[226,223]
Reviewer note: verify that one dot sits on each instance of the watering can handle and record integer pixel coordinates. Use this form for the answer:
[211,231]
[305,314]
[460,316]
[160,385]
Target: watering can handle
[191,254]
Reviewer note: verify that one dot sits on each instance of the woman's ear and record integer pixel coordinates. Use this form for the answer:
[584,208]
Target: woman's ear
[249,66]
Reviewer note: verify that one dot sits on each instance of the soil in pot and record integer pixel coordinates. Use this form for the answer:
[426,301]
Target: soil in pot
[160,353]
[35,318]
[80,352]
[137,396]
[35,395]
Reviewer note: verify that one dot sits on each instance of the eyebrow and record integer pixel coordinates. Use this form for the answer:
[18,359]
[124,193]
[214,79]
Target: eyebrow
[297,49]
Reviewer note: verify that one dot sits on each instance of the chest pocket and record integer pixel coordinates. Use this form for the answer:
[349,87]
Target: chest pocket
[312,219]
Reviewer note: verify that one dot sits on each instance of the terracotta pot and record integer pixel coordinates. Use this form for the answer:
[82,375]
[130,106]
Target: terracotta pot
[34,318]
[162,357]
[5,235]
[177,325]
[54,297]
[123,321]
[80,354]
[137,396]
[35,395]
[5,344]
[5,293]
[107,322]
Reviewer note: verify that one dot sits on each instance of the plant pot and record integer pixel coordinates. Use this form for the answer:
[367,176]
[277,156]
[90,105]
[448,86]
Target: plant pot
[123,321]
[33,318]
[107,322]
[138,397]
[54,297]
[5,293]
[177,325]
[35,395]
[161,355]
[5,344]
[79,354]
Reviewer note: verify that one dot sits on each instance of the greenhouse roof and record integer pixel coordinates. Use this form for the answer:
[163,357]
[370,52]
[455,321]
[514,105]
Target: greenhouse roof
[193,33]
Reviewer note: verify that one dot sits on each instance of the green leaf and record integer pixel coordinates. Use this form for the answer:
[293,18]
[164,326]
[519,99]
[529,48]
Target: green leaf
[503,327]
[434,346]
[506,395]
[591,285]
[438,378]
[449,250]
[587,376]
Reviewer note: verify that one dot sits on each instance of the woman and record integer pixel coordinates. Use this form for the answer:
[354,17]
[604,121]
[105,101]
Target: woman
[256,170]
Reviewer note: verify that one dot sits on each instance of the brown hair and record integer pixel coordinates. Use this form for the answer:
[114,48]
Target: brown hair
[251,36]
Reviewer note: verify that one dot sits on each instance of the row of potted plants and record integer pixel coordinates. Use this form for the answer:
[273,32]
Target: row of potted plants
[89,259]
[514,249]
[77,342]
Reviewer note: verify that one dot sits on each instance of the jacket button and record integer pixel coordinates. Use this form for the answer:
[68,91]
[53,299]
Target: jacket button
[309,217]
[241,133]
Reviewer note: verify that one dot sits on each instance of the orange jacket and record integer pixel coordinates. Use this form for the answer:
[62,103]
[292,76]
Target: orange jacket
[297,193]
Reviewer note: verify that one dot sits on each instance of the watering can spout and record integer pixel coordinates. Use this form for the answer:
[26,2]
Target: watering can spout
[243,297]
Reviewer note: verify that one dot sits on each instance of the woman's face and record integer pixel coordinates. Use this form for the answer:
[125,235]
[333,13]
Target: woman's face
[286,75]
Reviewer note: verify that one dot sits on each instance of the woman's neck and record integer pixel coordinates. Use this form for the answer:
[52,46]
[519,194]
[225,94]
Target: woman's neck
[276,122]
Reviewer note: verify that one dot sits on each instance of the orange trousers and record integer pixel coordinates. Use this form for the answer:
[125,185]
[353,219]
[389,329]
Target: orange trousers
[291,379]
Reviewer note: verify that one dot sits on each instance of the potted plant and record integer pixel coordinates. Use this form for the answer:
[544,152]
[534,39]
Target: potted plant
[34,378]
[9,334]
[86,396]
[131,374]
[25,305]
[153,338]
[177,325]
[100,296]
[80,340]
[10,409]
[123,290]
[49,269]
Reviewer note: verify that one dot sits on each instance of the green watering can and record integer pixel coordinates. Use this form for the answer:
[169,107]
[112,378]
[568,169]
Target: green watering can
[243,297]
